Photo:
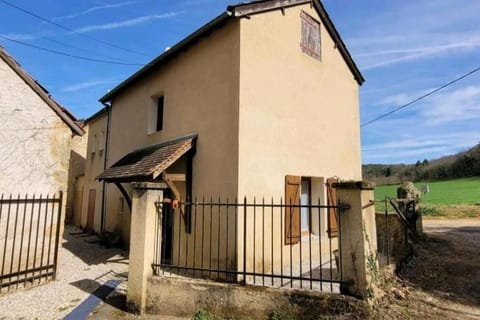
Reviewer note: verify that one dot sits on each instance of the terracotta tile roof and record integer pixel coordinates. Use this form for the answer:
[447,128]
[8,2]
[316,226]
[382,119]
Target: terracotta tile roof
[148,163]
[61,111]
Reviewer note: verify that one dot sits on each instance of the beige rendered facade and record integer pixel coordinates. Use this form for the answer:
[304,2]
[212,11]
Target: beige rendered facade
[261,107]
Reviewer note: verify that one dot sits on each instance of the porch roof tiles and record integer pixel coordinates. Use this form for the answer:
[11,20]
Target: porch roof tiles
[148,163]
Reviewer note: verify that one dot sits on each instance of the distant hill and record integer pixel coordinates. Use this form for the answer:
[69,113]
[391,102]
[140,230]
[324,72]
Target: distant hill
[463,164]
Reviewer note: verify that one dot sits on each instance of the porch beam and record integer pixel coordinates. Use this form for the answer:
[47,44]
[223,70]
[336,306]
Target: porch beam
[125,194]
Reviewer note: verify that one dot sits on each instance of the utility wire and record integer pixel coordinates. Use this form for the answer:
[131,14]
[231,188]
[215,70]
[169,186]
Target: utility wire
[421,97]
[71,30]
[68,54]
[82,49]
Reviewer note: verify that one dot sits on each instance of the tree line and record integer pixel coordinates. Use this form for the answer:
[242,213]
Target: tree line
[464,164]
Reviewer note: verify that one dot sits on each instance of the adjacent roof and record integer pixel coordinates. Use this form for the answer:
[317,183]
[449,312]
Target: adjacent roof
[61,111]
[148,163]
[239,11]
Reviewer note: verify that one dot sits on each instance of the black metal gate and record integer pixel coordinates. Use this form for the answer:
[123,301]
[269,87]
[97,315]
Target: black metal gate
[29,239]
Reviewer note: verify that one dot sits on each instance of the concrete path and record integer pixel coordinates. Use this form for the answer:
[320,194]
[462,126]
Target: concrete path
[84,266]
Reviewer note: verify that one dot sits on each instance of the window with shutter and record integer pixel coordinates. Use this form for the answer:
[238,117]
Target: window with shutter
[310,42]
[292,209]
[332,212]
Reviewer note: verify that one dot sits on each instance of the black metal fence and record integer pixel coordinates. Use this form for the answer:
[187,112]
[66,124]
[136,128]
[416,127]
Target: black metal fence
[260,243]
[29,239]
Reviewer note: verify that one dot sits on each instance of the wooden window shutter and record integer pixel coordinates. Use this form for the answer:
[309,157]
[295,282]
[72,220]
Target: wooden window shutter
[292,209]
[332,212]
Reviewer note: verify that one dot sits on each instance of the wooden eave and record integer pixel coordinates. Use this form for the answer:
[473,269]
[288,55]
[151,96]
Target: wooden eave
[148,164]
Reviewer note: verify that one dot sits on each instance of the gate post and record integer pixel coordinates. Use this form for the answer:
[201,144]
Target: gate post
[142,241]
[359,259]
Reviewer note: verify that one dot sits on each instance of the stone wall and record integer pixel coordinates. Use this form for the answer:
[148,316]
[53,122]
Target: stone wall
[183,297]
[35,143]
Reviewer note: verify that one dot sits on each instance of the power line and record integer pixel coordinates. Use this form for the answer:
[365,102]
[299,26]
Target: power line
[82,49]
[68,54]
[71,30]
[421,97]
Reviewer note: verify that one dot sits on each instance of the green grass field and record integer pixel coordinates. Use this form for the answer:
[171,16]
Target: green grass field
[464,191]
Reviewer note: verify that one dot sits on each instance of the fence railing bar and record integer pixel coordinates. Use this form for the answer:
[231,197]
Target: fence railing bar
[300,240]
[210,234]
[29,201]
[340,266]
[26,272]
[6,238]
[228,238]
[245,239]
[310,226]
[57,234]
[52,214]
[277,276]
[236,231]
[250,205]
[263,240]
[194,235]
[44,232]
[254,236]
[330,258]
[218,240]
[203,235]
[12,261]
[21,239]
[282,215]
[36,235]
[320,247]
[291,246]
[39,277]
[1,207]
[32,212]
[179,219]
[271,234]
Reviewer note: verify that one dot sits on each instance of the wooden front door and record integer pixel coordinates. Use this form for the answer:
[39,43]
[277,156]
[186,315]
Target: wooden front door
[91,209]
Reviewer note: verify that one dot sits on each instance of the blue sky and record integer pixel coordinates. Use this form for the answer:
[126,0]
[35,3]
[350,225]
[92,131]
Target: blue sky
[403,48]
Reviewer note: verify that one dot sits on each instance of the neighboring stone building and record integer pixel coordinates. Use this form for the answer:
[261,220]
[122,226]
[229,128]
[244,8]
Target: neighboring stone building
[41,142]
[261,101]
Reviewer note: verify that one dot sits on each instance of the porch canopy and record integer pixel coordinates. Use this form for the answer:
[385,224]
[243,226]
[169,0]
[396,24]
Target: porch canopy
[147,164]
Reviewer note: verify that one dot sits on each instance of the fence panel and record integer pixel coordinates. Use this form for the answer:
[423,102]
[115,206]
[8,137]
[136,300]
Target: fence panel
[245,242]
[29,239]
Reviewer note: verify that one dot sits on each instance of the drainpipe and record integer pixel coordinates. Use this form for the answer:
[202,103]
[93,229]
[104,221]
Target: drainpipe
[108,107]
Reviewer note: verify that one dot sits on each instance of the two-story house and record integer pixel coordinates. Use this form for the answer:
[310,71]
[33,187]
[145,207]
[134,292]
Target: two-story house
[261,101]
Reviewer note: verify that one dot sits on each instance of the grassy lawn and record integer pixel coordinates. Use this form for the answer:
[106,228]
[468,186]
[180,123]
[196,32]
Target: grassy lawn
[456,198]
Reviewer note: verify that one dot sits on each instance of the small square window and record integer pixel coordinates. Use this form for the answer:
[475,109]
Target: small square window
[310,42]
[155,114]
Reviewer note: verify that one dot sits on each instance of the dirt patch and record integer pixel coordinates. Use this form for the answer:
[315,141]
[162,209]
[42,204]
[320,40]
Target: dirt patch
[442,279]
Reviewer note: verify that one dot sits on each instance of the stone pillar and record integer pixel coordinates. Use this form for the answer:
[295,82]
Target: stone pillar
[142,241]
[358,239]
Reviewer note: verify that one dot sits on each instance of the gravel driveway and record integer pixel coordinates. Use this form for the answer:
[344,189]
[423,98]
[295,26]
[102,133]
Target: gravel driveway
[84,266]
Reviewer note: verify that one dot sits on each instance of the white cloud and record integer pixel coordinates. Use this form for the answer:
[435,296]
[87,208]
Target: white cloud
[386,57]
[126,23]
[85,85]
[457,105]
[19,36]
[408,149]
[93,9]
